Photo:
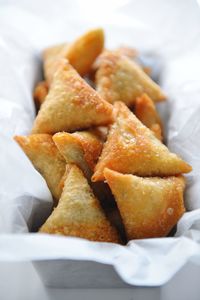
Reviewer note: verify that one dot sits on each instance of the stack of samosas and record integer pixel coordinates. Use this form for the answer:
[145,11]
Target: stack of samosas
[100,146]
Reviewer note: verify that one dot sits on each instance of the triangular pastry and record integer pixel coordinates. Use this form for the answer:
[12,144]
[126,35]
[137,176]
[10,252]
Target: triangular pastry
[71,104]
[81,148]
[126,51]
[80,54]
[121,79]
[46,158]
[131,53]
[149,207]
[91,144]
[146,112]
[78,212]
[83,52]
[132,148]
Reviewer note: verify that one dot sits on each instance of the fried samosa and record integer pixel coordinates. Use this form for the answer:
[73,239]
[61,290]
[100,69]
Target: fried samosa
[132,148]
[149,207]
[80,54]
[78,212]
[71,104]
[121,79]
[81,148]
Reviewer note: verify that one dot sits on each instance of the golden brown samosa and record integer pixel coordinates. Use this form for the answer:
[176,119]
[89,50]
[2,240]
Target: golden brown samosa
[78,212]
[46,158]
[146,112]
[149,207]
[71,104]
[132,148]
[121,79]
[81,148]
[81,53]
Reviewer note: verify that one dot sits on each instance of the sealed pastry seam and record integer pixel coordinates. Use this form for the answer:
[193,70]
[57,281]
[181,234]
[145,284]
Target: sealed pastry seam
[81,148]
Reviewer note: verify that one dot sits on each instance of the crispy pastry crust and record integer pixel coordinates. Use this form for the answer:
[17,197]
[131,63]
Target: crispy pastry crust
[71,104]
[78,212]
[121,79]
[81,148]
[149,207]
[46,158]
[81,53]
[132,148]
[91,145]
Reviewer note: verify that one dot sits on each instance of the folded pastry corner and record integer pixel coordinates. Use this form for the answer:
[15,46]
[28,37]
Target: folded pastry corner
[122,79]
[81,148]
[81,53]
[146,112]
[79,213]
[71,104]
[149,207]
[46,158]
[91,144]
[132,148]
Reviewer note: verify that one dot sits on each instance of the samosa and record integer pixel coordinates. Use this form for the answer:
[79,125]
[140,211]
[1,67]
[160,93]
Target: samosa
[132,148]
[78,212]
[122,79]
[71,104]
[81,148]
[81,53]
[149,207]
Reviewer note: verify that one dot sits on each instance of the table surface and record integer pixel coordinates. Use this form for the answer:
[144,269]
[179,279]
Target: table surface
[20,281]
